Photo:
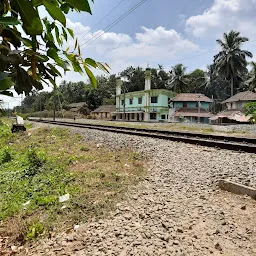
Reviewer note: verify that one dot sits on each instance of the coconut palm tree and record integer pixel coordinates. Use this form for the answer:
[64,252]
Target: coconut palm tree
[177,81]
[231,62]
[251,82]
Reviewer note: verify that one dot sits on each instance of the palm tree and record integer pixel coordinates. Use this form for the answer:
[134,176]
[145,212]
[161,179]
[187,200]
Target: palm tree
[252,77]
[231,62]
[177,81]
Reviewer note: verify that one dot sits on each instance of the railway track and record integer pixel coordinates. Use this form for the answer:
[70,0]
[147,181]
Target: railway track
[244,144]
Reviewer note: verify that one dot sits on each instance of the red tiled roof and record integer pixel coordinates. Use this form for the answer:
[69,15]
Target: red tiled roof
[232,115]
[191,97]
[105,108]
[242,96]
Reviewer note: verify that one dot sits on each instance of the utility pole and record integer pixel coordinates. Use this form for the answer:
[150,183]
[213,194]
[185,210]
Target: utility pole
[199,109]
[124,99]
[54,105]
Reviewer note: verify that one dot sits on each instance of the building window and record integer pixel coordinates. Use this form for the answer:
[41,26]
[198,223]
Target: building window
[162,116]
[154,99]
[153,116]
[140,100]
[122,102]
[132,115]
[131,101]
[185,104]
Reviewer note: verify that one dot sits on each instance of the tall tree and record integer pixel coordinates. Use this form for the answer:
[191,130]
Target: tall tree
[178,81]
[231,62]
[135,79]
[251,82]
[196,81]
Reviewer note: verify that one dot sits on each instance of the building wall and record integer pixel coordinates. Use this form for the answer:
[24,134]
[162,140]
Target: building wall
[191,104]
[160,108]
[237,105]
[102,115]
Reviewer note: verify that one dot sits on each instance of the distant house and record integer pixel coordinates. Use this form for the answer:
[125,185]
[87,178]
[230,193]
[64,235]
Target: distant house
[190,107]
[234,112]
[150,105]
[78,108]
[105,112]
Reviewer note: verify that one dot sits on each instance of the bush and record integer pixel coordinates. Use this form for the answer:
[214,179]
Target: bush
[89,117]
[35,230]
[7,157]
[34,163]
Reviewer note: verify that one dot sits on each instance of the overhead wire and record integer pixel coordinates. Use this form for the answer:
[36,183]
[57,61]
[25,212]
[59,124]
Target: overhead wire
[115,22]
[103,18]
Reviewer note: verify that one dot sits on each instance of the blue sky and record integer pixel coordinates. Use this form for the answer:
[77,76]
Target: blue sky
[163,32]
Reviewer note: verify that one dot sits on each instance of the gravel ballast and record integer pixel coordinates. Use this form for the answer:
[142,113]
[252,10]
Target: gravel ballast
[177,210]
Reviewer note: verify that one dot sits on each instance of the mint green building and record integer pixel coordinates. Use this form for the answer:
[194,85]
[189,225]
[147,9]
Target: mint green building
[148,105]
[160,105]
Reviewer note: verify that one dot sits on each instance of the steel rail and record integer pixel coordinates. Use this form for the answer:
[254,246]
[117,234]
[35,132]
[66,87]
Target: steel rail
[244,144]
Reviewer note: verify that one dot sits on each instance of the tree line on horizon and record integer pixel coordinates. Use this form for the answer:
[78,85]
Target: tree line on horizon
[226,76]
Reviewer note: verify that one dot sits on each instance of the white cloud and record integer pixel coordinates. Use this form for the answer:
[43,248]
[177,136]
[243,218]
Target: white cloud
[119,50]
[223,16]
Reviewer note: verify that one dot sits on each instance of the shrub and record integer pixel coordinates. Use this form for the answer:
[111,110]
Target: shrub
[89,117]
[7,157]
[34,163]
[35,230]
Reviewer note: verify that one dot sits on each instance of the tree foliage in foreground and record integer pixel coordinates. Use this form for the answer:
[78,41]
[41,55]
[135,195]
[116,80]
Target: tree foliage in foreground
[31,47]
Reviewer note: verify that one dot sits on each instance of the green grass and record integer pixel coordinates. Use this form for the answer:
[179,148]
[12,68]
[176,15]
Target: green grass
[39,166]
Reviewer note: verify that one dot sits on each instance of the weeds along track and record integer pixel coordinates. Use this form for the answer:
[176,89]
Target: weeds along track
[210,140]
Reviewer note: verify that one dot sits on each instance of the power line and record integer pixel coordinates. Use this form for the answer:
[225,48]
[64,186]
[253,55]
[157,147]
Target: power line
[102,19]
[101,33]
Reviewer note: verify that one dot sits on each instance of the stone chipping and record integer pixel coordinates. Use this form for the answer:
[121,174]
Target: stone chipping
[177,209]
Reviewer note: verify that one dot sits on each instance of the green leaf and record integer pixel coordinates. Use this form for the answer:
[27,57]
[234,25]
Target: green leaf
[9,21]
[52,53]
[55,70]
[5,83]
[76,44]
[54,10]
[102,67]
[27,42]
[23,82]
[107,65]
[71,32]
[90,75]
[37,2]
[64,34]
[29,16]
[57,35]
[12,35]
[65,8]
[52,82]
[75,63]
[79,50]
[42,58]
[91,62]
[80,5]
